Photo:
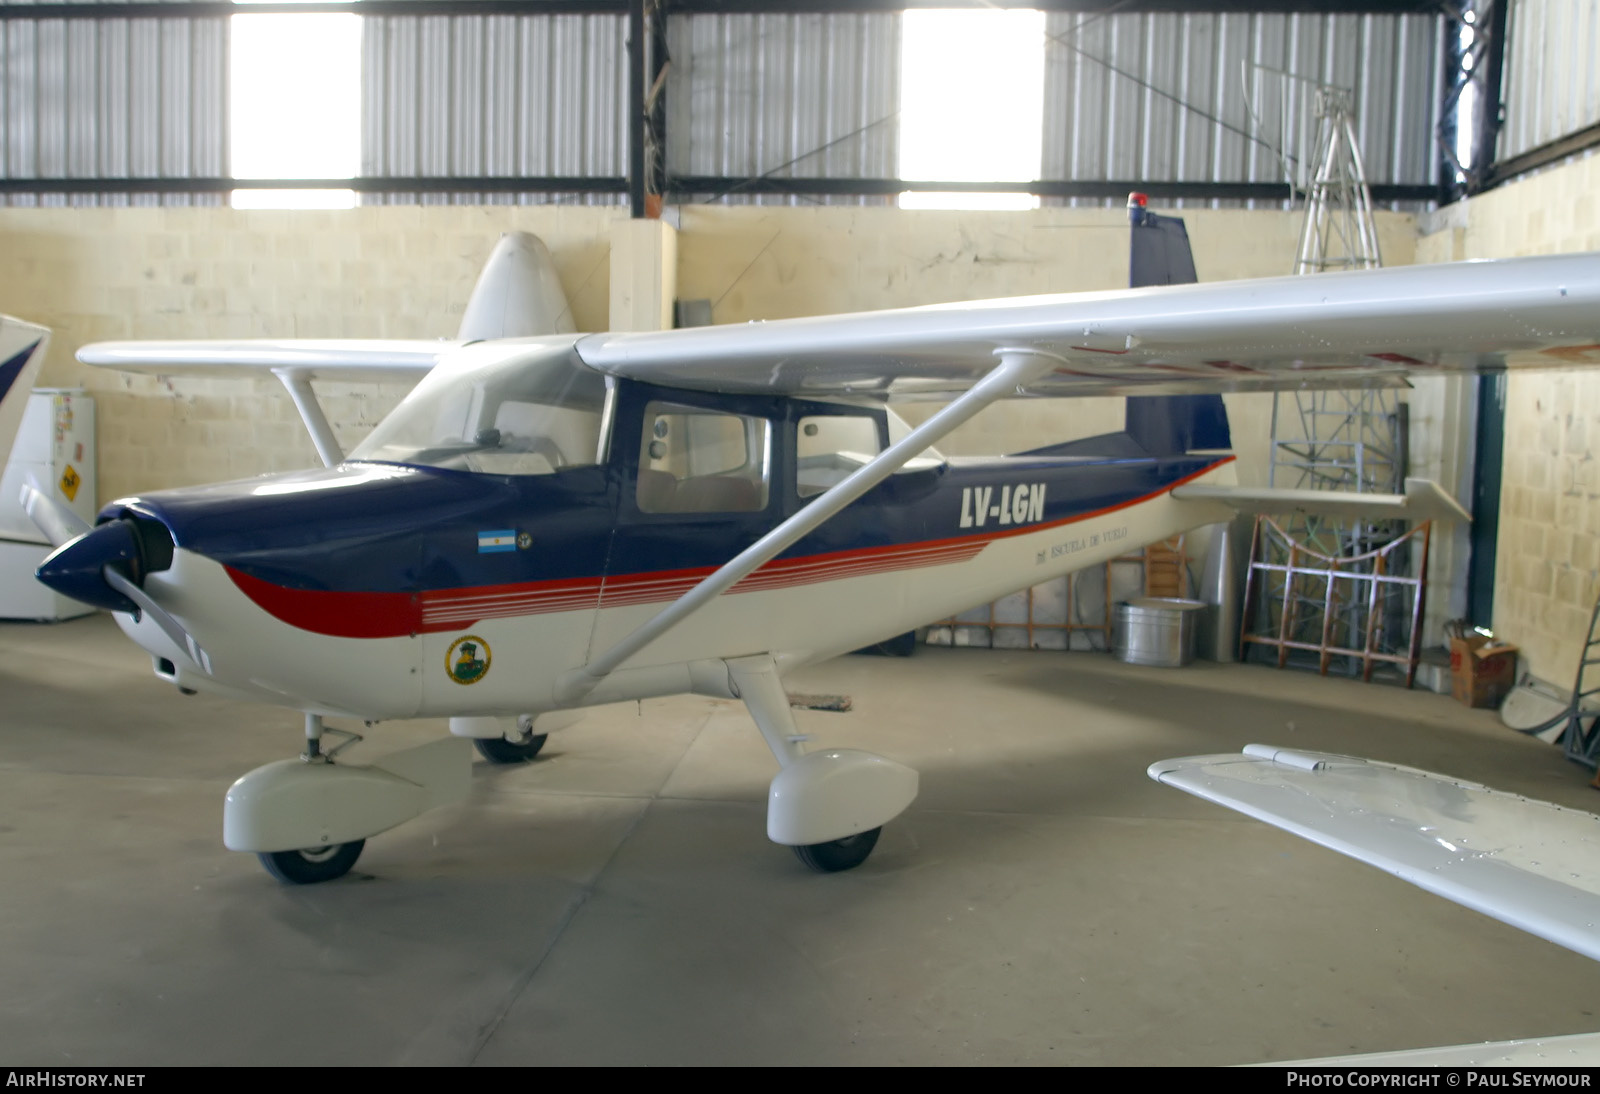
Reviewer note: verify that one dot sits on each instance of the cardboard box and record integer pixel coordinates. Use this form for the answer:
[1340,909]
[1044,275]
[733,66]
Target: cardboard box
[1481,671]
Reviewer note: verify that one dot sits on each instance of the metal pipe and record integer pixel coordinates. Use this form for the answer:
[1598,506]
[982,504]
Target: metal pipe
[637,118]
[684,185]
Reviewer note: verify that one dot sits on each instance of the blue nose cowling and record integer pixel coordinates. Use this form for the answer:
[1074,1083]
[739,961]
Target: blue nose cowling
[75,568]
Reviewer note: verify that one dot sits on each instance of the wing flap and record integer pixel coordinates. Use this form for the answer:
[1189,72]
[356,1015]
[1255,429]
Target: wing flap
[1526,863]
[1342,329]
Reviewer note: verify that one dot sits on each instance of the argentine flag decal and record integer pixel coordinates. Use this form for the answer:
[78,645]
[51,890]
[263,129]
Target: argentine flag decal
[503,540]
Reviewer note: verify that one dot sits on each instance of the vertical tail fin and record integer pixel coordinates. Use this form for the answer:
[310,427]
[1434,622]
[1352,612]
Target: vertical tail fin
[1168,425]
[22,347]
[1158,251]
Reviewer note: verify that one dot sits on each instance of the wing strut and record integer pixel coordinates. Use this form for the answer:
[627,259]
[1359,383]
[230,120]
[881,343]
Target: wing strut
[1017,369]
[305,401]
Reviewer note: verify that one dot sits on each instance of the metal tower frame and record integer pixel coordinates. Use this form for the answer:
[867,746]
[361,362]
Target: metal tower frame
[1338,440]
[1357,602]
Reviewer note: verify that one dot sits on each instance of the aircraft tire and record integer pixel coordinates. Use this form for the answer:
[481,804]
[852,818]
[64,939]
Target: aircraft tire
[839,854]
[313,864]
[498,750]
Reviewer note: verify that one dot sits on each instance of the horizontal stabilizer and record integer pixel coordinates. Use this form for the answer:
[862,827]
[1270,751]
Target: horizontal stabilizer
[1424,499]
[1526,863]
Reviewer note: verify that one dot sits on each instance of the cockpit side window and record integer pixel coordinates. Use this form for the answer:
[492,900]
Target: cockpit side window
[696,460]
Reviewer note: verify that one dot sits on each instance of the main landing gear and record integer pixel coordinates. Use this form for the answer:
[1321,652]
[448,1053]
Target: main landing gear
[828,806]
[504,750]
[839,854]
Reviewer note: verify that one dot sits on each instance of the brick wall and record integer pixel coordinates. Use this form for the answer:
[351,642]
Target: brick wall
[1547,571]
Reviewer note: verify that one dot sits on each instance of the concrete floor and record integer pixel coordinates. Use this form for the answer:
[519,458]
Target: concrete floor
[617,902]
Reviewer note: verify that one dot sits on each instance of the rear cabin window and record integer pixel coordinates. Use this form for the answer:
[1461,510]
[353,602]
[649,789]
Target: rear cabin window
[828,447]
[694,460]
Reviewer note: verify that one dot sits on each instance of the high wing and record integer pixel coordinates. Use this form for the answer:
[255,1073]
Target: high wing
[1338,329]
[1526,863]
[1360,328]
[347,359]
[295,362]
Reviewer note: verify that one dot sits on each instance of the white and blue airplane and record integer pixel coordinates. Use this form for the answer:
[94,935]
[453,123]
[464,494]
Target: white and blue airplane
[551,521]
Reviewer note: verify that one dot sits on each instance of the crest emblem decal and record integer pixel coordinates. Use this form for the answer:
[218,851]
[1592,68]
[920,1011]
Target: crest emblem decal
[467,659]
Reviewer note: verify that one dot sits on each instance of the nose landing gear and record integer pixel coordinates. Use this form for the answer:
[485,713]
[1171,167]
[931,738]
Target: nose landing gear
[307,820]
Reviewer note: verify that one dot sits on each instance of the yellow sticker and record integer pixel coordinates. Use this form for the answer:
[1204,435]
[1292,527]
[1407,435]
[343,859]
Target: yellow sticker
[463,661]
[69,483]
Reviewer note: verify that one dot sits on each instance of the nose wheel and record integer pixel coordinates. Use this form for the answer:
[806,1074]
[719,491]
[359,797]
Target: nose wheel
[312,864]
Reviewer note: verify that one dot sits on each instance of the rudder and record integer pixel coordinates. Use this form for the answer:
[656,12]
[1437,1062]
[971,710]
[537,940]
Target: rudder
[1168,425]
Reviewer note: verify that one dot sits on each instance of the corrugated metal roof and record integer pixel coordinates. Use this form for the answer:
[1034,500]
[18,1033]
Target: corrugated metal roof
[1551,85]
[786,96]
[1163,97]
[494,95]
[1152,97]
[112,98]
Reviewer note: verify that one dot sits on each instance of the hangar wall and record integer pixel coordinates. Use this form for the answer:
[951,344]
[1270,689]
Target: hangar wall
[1548,568]
[406,271]
[400,271]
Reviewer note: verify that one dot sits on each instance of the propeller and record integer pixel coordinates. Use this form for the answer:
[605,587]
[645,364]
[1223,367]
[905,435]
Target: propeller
[162,618]
[106,565]
[58,523]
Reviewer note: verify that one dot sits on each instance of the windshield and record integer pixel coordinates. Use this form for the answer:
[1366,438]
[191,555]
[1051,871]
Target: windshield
[501,408]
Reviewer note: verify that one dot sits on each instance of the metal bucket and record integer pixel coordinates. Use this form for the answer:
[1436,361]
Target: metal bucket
[1156,630]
